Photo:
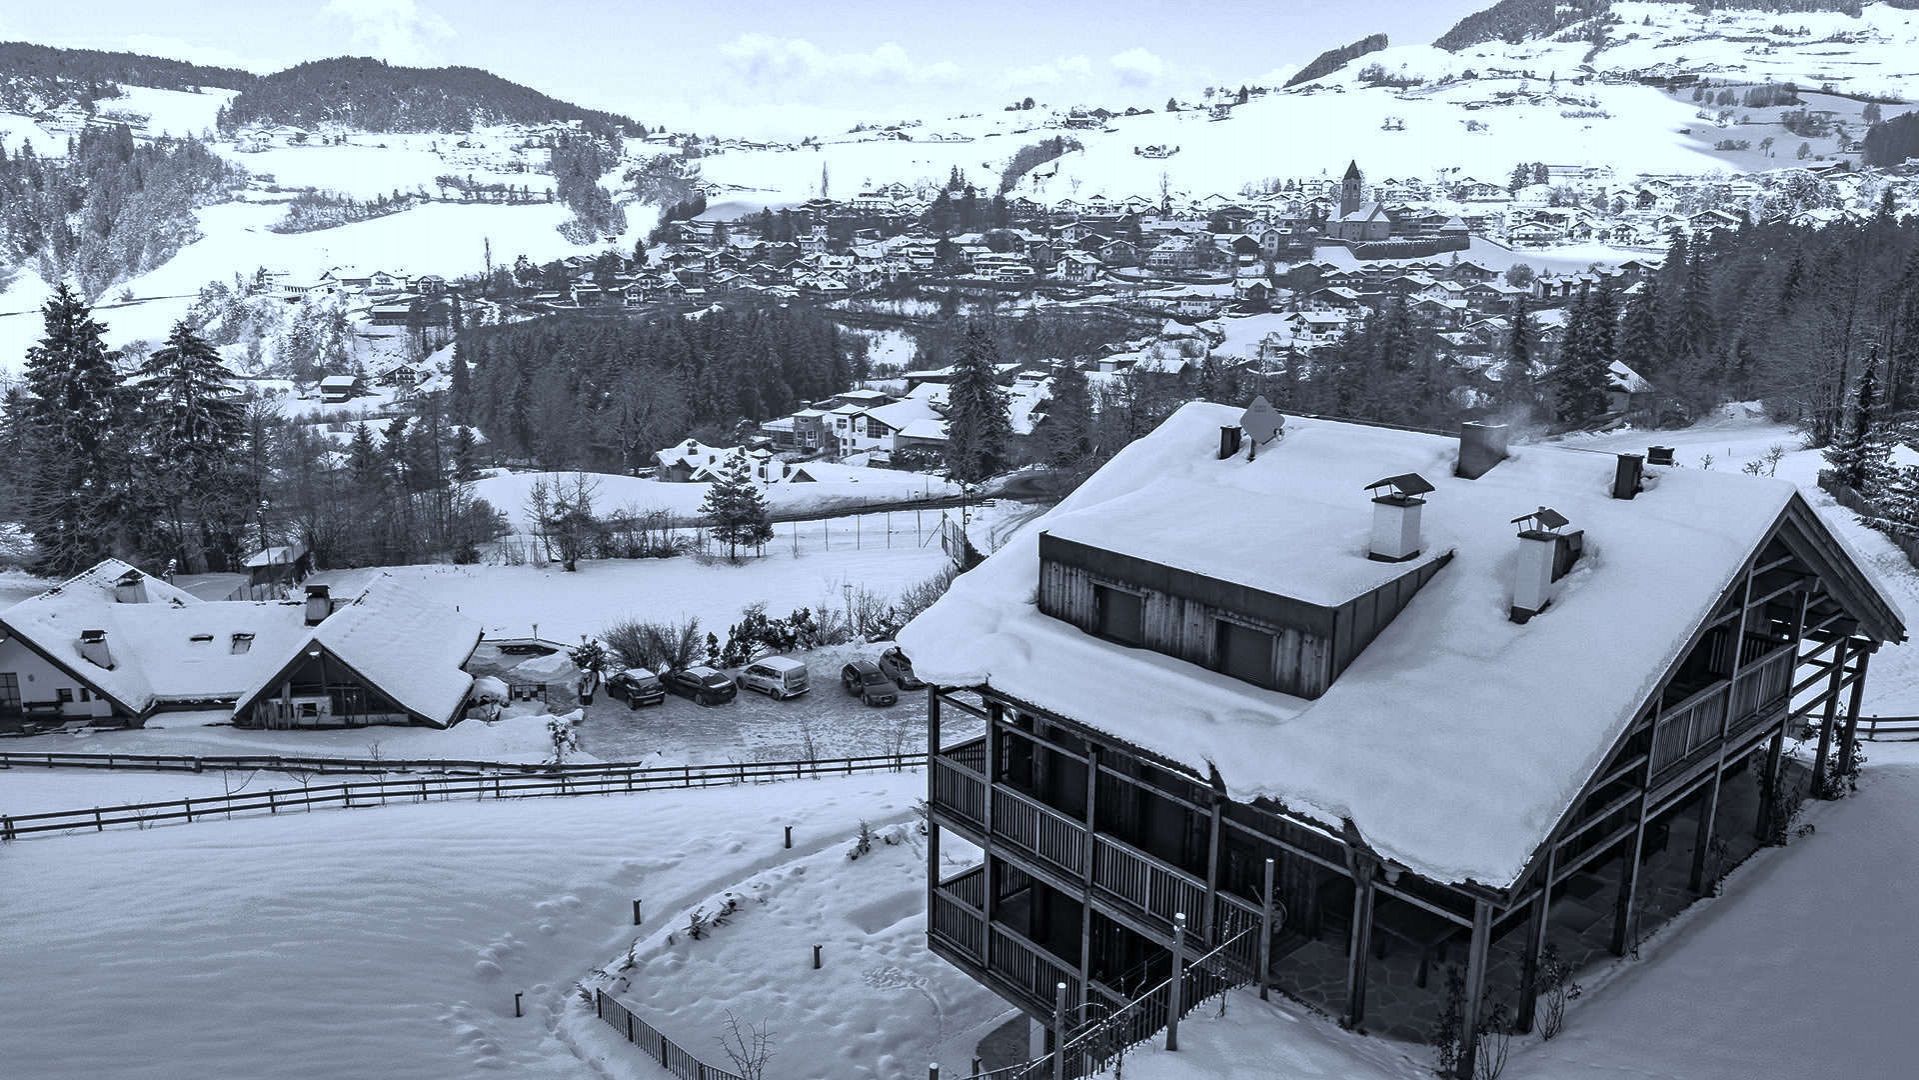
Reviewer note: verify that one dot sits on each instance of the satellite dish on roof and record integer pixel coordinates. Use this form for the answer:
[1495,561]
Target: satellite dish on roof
[1261,422]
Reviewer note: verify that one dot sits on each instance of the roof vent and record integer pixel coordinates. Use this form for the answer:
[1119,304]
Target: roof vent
[1397,503]
[1627,475]
[1534,572]
[319,604]
[1659,455]
[1228,440]
[1481,446]
[93,649]
[130,588]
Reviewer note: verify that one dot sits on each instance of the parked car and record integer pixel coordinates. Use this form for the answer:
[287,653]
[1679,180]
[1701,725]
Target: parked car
[636,686]
[778,677]
[863,679]
[895,666]
[701,684]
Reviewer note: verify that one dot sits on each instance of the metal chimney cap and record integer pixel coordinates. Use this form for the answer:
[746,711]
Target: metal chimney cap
[1405,485]
[1544,518]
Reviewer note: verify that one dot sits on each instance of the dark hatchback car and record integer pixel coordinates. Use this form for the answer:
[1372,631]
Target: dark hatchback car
[895,666]
[701,685]
[636,687]
[863,679]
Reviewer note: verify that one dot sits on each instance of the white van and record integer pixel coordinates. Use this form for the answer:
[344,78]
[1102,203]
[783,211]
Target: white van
[776,676]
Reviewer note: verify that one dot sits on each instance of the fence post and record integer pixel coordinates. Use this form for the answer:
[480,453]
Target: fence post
[599,1009]
[97,826]
[189,804]
[1059,1031]
[933,1070]
[636,912]
[1266,932]
[1174,987]
[516,1005]
[789,836]
[816,958]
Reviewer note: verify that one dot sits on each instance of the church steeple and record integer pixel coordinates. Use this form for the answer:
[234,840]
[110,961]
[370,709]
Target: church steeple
[1351,190]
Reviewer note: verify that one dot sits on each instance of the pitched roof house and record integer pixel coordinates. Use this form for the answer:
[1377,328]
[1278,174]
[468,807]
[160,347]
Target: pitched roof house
[1445,709]
[115,645]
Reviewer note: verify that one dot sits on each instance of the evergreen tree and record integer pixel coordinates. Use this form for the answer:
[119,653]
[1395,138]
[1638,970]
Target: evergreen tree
[978,430]
[73,472]
[1522,339]
[466,455]
[1580,379]
[1859,455]
[195,429]
[1638,346]
[1069,416]
[735,509]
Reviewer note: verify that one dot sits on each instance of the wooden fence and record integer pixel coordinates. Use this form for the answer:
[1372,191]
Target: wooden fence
[672,1057]
[598,778]
[1866,508]
[1889,728]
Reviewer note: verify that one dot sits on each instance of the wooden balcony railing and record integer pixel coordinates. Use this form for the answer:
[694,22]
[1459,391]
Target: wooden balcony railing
[1040,829]
[959,791]
[957,918]
[1031,969]
[1148,885]
[1726,706]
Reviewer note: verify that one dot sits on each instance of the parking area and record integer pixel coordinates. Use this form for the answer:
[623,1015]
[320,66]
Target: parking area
[824,722]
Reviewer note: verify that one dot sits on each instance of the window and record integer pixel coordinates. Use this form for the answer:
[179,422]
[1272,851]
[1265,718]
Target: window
[9,692]
[1120,614]
[1245,653]
[65,695]
[242,643]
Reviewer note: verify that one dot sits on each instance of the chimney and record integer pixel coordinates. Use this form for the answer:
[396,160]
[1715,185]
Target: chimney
[93,647]
[1659,455]
[1228,440]
[1533,570]
[1481,446]
[130,588]
[319,604]
[1396,514]
[1625,478]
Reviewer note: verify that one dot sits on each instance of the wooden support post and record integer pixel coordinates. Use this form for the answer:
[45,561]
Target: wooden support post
[1175,986]
[517,1010]
[636,911]
[1626,909]
[993,713]
[1769,787]
[1849,742]
[789,837]
[1266,899]
[1536,924]
[1059,1031]
[1086,853]
[1702,839]
[1208,919]
[1360,944]
[1475,995]
[1825,723]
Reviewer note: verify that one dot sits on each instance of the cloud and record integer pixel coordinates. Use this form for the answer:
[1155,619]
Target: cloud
[400,31]
[1137,67]
[1060,70]
[766,61]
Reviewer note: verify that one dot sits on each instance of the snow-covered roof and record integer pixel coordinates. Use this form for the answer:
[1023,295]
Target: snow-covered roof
[1452,701]
[52,622]
[410,647]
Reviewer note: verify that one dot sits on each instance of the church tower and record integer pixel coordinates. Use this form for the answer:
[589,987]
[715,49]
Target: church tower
[1350,189]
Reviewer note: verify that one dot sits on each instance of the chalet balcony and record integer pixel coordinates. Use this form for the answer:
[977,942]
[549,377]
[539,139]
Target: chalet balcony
[996,952]
[1690,727]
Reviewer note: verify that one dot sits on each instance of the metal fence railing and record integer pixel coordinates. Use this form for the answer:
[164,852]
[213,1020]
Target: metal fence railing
[596,778]
[672,1057]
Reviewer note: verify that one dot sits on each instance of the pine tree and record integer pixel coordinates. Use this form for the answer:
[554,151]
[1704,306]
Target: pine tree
[1069,416]
[1638,346]
[1859,456]
[978,431]
[74,416]
[194,428]
[466,455]
[1580,379]
[734,507]
[1516,376]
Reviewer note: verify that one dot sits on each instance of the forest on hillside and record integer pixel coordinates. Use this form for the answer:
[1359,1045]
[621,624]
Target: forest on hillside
[603,393]
[372,95]
[1333,59]
[111,209]
[34,77]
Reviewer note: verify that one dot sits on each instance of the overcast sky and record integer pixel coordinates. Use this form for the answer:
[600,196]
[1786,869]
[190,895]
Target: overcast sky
[767,67]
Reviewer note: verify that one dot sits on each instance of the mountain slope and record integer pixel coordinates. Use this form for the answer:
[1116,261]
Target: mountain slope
[371,95]
[34,78]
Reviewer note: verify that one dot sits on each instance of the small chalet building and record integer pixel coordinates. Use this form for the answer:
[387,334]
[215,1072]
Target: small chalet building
[112,646]
[1355,706]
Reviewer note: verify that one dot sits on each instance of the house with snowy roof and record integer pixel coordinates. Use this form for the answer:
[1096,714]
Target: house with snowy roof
[1337,708]
[113,646]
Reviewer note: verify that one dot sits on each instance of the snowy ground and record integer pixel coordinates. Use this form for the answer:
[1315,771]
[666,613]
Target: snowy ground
[390,942]
[881,1004]
[507,492]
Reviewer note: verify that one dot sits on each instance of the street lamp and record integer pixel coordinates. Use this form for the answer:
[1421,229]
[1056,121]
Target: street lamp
[265,505]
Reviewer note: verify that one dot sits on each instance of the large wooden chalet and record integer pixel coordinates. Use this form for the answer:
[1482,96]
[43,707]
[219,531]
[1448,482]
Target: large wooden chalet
[1372,713]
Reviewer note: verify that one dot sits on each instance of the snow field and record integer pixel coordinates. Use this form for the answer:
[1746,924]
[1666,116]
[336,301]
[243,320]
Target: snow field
[247,948]
[508,492]
[881,1005]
